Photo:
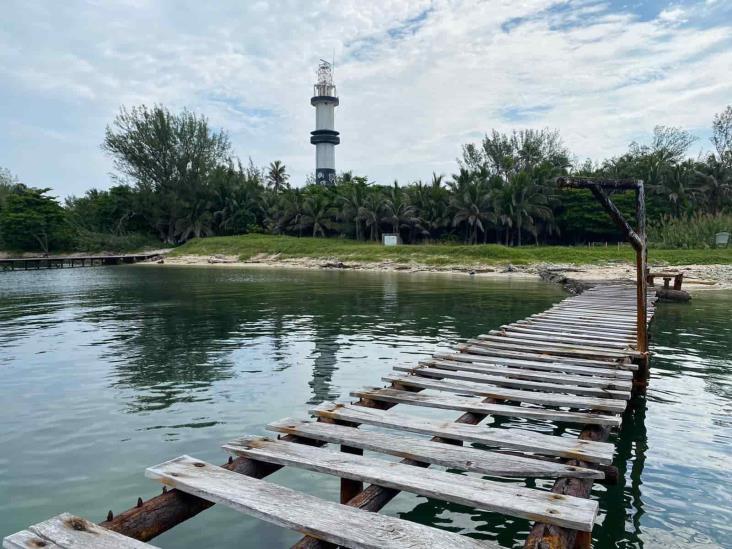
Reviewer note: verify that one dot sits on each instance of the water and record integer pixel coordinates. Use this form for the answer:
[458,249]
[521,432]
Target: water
[106,371]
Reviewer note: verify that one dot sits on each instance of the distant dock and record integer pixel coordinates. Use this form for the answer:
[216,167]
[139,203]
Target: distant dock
[61,262]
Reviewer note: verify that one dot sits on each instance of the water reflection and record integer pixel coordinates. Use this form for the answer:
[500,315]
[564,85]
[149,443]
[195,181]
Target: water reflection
[110,370]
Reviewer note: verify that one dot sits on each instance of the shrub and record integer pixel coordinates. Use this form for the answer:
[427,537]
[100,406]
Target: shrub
[695,231]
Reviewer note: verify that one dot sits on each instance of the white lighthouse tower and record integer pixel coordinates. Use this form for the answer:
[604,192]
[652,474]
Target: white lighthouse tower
[325,138]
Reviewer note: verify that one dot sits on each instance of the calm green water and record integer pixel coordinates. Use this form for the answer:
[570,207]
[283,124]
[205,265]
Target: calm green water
[106,371]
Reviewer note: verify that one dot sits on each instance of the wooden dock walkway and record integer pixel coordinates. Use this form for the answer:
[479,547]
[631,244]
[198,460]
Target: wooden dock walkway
[60,262]
[574,365]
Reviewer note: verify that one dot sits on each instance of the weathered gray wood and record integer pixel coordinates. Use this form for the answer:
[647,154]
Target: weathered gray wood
[28,540]
[70,532]
[508,342]
[479,355]
[426,451]
[578,333]
[533,358]
[514,439]
[332,522]
[528,335]
[512,395]
[577,513]
[475,405]
[571,326]
[455,373]
[518,372]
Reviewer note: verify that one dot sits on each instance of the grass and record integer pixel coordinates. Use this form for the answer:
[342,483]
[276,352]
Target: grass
[248,246]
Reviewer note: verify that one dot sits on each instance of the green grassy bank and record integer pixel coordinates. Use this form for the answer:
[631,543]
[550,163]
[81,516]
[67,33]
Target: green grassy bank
[248,246]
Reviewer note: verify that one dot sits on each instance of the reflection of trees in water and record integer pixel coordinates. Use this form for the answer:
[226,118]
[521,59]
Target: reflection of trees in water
[701,335]
[173,331]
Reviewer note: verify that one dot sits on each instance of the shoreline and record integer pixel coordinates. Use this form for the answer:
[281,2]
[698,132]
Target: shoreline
[696,277]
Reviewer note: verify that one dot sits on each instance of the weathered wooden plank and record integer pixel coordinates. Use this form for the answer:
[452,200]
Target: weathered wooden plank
[475,405]
[434,371]
[494,351]
[579,333]
[68,531]
[515,439]
[436,453]
[332,522]
[479,355]
[522,372]
[577,513]
[583,327]
[543,337]
[512,395]
[583,351]
[28,540]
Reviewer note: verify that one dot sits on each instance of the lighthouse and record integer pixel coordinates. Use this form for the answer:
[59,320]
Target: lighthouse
[324,137]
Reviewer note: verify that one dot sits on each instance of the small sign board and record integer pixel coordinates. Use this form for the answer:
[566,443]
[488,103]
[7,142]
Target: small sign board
[390,239]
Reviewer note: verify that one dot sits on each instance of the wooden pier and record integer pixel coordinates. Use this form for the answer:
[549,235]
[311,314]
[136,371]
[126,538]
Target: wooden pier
[576,364]
[60,262]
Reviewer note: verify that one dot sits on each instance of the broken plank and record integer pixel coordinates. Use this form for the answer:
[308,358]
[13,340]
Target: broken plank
[515,439]
[577,513]
[512,395]
[544,337]
[497,351]
[479,355]
[68,531]
[427,370]
[332,522]
[579,333]
[475,405]
[507,342]
[451,456]
[523,372]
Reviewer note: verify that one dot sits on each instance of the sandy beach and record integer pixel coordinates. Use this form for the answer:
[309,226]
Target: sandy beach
[696,277]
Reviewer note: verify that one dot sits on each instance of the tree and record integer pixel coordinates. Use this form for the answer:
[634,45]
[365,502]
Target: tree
[318,213]
[398,212]
[277,178]
[31,221]
[171,158]
[472,206]
[370,212]
[722,136]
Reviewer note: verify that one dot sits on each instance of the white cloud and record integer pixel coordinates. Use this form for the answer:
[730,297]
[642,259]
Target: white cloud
[416,79]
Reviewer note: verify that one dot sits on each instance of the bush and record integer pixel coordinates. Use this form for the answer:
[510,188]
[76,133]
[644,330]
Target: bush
[695,231]
[89,241]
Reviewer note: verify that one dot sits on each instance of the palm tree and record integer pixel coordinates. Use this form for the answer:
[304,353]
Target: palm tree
[398,212]
[370,213]
[293,210]
[277,177]
[472,205]
[351,201]
[716,183]
[529,204]
[318,213]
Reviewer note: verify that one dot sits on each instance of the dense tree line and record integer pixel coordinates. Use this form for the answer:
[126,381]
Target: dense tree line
[178,179]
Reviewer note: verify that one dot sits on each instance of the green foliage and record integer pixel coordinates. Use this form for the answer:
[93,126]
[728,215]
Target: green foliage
[695,231]
[89,241]
[171,157]
[449,254]
[30,220]
[182,182]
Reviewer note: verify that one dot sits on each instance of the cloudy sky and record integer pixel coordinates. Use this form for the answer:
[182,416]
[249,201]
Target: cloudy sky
[416,79]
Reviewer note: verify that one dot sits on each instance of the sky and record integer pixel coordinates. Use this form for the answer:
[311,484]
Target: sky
[416,79]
